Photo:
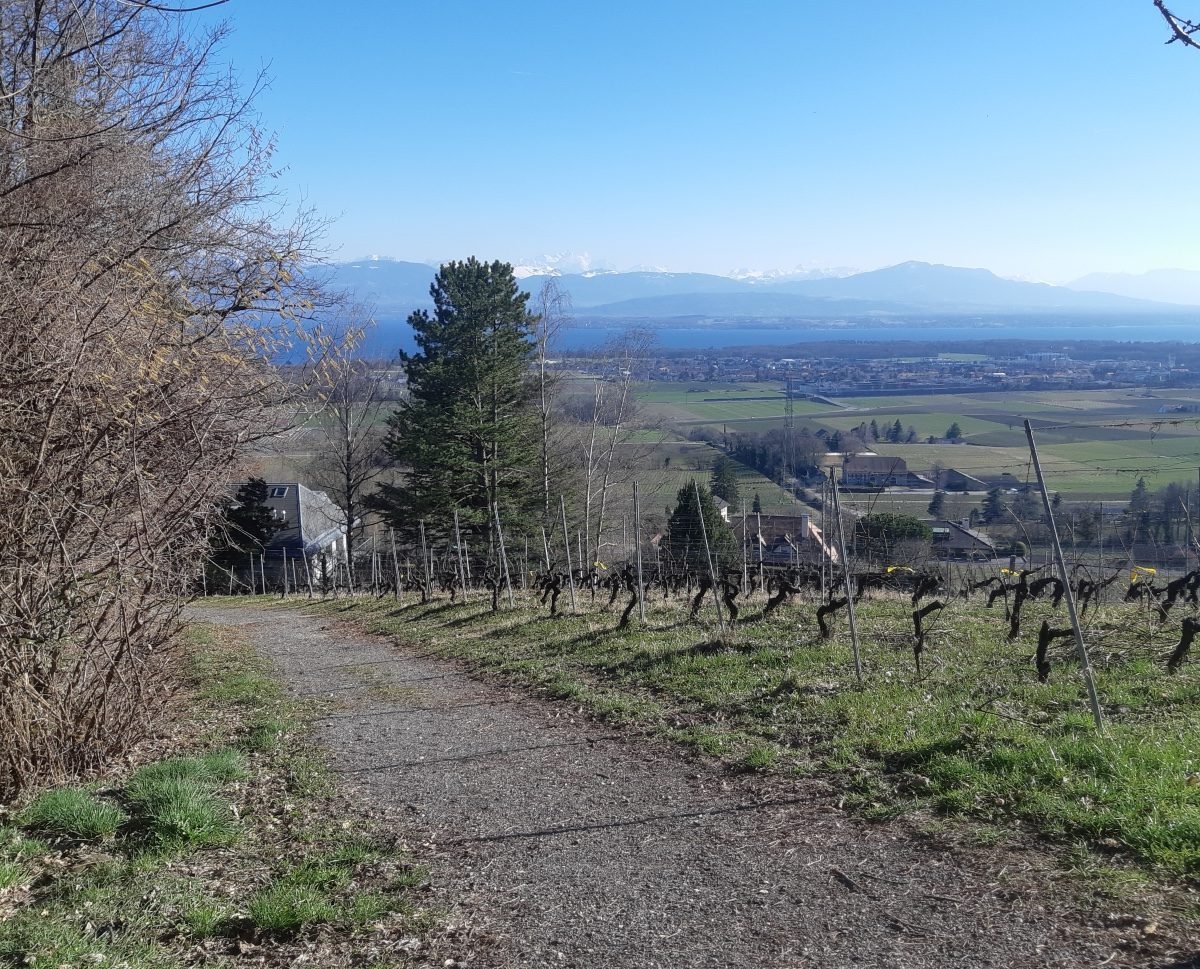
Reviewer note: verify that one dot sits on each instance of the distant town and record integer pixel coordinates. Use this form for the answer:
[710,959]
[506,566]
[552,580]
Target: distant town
[833,374]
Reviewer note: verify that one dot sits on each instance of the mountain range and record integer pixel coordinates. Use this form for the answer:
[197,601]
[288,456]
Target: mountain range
[396,288]
[965,301]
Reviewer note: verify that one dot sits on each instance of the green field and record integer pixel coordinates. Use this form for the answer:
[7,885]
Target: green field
[1094,445]
[716,404]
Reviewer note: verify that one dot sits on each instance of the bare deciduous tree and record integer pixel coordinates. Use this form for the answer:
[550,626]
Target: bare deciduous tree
[553,308]
[144,292]
[610,426]
[350,435]
[1182,30]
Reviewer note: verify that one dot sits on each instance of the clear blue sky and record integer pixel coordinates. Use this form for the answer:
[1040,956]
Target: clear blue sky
[1041,138]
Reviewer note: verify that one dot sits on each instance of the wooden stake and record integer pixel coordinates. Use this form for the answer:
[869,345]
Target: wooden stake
[395,564]
[562,505]
[837,511]
[1068,592]
[637,539]
[428,587]
[503,555]
[463,574]
[712,575]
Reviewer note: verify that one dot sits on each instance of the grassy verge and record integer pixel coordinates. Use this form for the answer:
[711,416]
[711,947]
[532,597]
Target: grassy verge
[236,849]
[976,735]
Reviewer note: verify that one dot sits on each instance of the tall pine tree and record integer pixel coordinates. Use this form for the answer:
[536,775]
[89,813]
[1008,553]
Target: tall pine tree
[467,433]
[724,483]
[685,534]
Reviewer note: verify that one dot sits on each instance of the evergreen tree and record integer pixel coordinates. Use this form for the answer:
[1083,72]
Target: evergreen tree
[685,537]
[874,427]
[757,508]
[937,504]
[896,432]
[245,524]
[953,432]
[467,433]
[1139,499]
[724,480]
[994,509]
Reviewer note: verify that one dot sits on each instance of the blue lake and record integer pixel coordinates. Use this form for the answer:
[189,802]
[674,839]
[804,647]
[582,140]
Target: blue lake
[393,335]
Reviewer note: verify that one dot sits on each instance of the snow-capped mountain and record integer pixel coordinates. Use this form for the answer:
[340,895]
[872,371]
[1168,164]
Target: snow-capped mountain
[560,264]
[396,288]
[786,275]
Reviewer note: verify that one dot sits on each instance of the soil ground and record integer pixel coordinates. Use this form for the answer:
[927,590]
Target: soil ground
[579,846]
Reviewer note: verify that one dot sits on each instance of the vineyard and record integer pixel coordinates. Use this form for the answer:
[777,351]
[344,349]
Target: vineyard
[967,698]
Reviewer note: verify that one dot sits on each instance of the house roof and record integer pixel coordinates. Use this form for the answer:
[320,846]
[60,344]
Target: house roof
[874,464]
[960,534]
[311,520]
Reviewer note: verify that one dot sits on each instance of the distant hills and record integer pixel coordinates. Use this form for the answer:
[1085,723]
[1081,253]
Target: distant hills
[1167,285]
[396,288]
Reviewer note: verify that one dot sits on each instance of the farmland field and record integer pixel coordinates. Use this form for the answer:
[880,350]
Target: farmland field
[1094,444]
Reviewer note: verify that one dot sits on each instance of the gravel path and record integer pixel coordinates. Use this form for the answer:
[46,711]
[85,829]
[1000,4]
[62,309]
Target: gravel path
[586,847]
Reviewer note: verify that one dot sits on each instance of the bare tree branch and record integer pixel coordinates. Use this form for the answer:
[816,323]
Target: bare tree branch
[1182,30]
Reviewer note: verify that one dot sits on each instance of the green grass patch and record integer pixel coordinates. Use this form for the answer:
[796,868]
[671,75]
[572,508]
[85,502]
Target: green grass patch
[132,901]
[72,812]
[288,907]
[11,873]
[181,813]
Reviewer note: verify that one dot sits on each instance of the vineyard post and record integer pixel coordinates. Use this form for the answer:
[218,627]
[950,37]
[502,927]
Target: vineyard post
[637,540]
[395,562]
[546,548]
[759,543]
[204,578]
[231,580]
[712,575]
[262,571]
[1068,592]
[826,559]
[283,555]
[253,580]
[427,588]
[503,554]
[307,573]
[837,513]
[462,561]
[562,506]
[745,551]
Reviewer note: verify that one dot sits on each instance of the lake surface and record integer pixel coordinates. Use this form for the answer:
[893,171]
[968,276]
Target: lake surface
[393,335]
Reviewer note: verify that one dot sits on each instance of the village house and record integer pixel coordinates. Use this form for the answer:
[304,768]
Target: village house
[959,540]
[311,526]
[874,471]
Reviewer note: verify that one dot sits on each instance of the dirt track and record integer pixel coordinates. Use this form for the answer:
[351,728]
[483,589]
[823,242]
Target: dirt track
[585,847]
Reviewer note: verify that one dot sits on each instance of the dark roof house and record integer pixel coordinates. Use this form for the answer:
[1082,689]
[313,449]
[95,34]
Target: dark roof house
[959,539]
[310,521]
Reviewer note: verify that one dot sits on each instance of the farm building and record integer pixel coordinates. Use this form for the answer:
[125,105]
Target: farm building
[958,539]
[874,471]
[784,539]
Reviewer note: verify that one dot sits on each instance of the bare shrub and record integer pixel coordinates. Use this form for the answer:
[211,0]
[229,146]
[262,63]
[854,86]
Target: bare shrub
[144,290]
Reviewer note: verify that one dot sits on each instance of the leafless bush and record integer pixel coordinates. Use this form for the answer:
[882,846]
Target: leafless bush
[143,291]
